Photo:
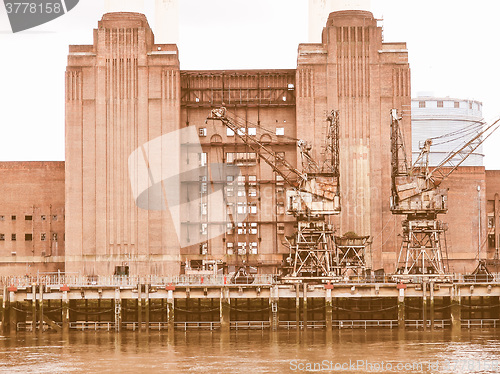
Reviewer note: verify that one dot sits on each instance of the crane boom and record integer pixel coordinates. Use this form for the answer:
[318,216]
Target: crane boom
[301,181]
[456,158]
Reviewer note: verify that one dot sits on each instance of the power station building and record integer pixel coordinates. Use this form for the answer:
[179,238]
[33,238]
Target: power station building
[448,122]
[125,95]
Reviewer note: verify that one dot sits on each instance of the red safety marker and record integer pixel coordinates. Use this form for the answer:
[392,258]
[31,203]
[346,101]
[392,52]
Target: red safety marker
[64,287]
[201,280]
[225,279]
[170,287]
[12,288]
[401,286]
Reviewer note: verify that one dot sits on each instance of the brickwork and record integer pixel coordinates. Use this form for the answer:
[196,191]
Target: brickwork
[31,217]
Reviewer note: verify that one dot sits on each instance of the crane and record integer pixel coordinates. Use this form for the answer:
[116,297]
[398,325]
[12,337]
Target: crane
[313,194]
[416,193]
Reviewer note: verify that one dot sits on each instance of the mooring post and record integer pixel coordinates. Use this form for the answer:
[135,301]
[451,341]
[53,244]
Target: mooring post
[170,308]
[401,306]
[118,310]
[5,309]
[304,317]
[65,312]
[12,313]
[139,306]
[33,308]
[297,306]
[273,308]
[456,309]
[328,307]
[431,303]
[146,306]
[424,304]
[225,311]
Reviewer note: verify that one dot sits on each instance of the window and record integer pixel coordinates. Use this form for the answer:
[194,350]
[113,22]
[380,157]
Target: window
[421,104]
[203,209]
[13,218]
[202,131]
[491,222]
[456,104]
[28,218]
[54,217]
[440,103]
[242,248]
[229,159]
[280,157]
[280,208]
[229,132]
[203,248]
[242,208]
[43,218]
[229,228]
[42,236]
[241,192]
[241,179]
[230,208]
[229,191]
[280,131]
[229,248]
[203,228]
[290,86]
[202,158]
[252,131]
[28,237]
[54,236]
[253,248]
[241,131]
[2,237]
[252,192]
[252,179]
[13,237]
[252,208]
[253,228]
[242,228]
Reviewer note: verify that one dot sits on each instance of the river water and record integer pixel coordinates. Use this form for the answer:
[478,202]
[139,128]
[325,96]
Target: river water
[345,351]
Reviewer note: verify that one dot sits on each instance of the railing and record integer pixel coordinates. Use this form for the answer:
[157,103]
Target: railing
[250,325]
[112,280]
[86,325]
[418,323]
[289,325]
[197,325]
[365,324]
[28,326]
[480,323]
[59,279]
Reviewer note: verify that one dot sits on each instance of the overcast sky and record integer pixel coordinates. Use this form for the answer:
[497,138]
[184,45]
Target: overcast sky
[453,50]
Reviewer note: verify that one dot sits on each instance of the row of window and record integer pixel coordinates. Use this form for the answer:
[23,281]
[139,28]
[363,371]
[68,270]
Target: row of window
[29,218]
[241,247]
[440,104]
[252,131]
[239,158]
[29,237]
